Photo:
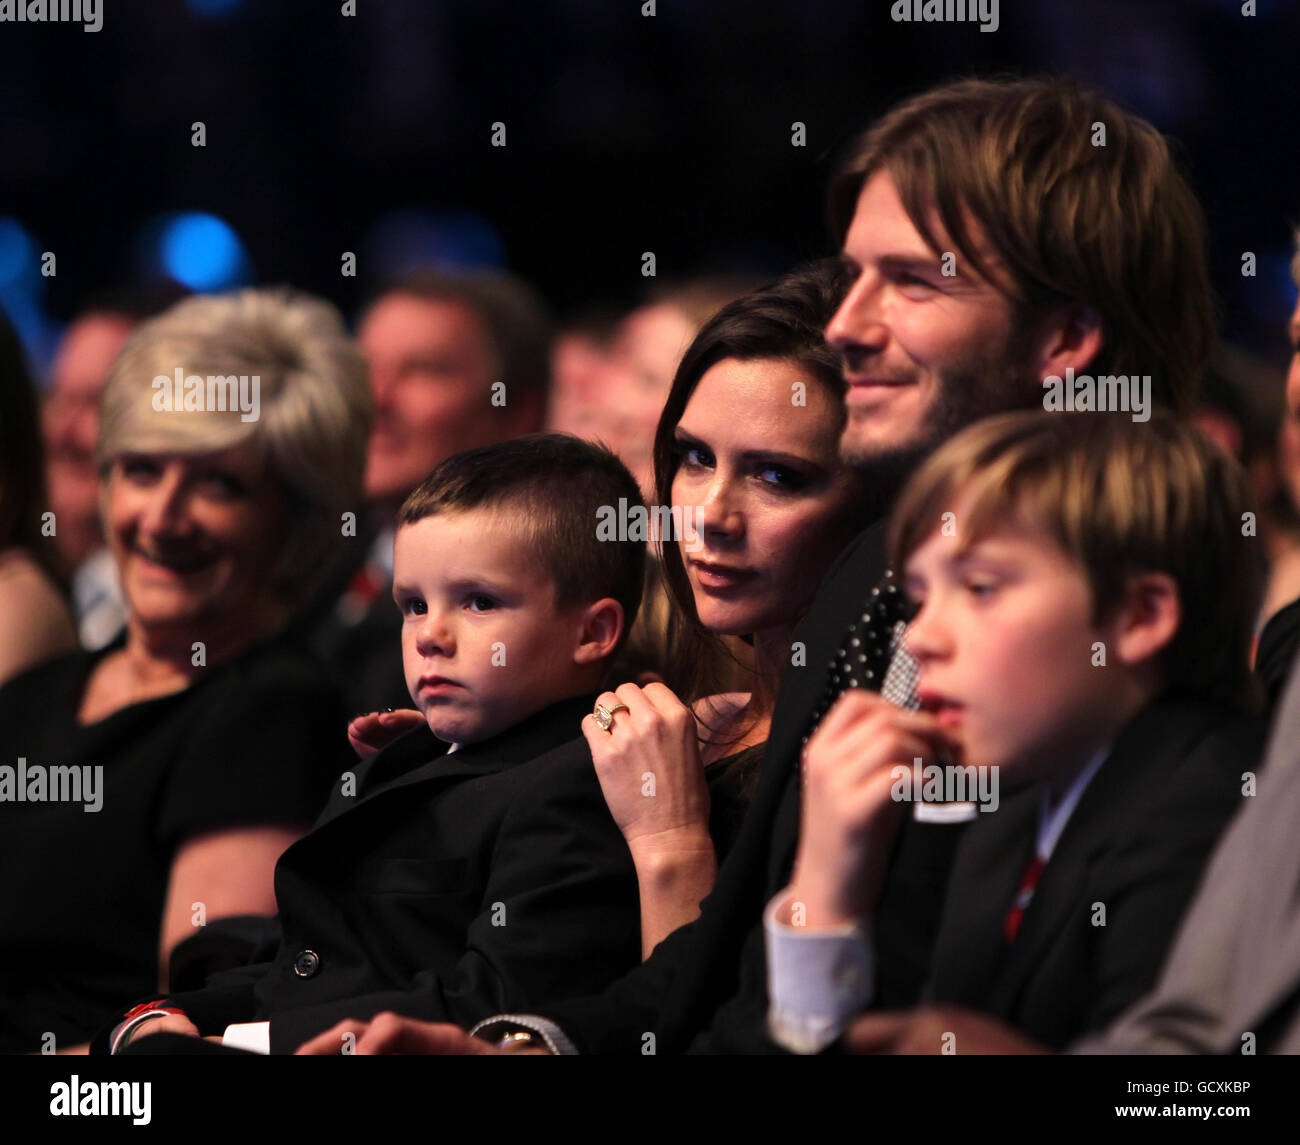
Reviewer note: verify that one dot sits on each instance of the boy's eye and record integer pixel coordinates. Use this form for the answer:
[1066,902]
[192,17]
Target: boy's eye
[481,603]
[415,607]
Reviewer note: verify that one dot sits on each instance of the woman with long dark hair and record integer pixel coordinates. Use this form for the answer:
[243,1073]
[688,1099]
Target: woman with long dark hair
[746,459]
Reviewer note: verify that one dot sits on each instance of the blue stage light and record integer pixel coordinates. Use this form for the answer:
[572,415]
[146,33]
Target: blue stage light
[202,252]
[217,8]
[18,254]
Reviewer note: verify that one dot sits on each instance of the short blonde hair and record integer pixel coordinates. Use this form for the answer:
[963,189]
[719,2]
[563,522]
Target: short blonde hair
[1120,498]
[313,423]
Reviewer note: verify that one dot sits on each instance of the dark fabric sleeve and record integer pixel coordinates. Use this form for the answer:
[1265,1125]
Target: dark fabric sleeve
[267,743]
[1156,875]
[228,997]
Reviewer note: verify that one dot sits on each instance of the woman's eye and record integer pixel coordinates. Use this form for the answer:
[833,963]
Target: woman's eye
[693,457]
[783,478]
[139,468]
[981,588]
[225,484]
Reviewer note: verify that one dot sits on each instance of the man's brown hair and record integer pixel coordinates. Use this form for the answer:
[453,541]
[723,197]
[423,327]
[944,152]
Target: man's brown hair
[1119,498]
[1079,200]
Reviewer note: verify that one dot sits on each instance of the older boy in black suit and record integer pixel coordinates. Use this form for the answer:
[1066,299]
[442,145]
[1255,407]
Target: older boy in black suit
[1085,596]
[472,865]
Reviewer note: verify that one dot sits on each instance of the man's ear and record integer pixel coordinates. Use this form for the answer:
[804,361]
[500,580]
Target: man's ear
[1070,337]
[600,626]
[1147,620]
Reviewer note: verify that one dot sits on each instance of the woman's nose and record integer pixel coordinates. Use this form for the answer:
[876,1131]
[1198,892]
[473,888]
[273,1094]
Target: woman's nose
[167,507]
[718,512]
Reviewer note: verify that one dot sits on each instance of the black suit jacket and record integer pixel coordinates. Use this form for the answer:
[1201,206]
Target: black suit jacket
[1136,843]
[448,887]
[704,988]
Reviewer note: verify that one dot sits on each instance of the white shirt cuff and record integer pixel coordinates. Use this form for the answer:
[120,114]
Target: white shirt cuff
[816,979]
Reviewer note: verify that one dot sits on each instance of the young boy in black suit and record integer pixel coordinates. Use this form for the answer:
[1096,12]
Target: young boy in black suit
[472,865]
[1084,589]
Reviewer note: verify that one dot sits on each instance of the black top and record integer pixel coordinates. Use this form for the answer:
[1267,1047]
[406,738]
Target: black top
[258,740]
[732,781]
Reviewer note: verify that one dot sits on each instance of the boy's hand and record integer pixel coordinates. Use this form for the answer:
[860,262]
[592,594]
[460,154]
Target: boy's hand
[848,819]
[649,768]
[370,734]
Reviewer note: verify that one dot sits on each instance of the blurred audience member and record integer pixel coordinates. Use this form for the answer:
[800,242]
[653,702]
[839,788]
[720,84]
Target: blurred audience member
[1275,651]
[35,620]
[456,362]
[639,368]
[71,426]
[157,781]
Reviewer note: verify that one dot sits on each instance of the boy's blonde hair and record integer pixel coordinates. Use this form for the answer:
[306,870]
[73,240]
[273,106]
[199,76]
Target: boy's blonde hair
[1120,498]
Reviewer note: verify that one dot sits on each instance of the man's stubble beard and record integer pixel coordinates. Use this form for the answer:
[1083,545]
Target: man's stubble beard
[967,391]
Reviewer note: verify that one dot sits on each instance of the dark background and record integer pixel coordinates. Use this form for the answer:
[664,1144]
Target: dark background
[625,133]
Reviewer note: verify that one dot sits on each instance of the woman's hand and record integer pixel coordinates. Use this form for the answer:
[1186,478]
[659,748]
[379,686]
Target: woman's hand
[848,817]
[370,734]
[649,766]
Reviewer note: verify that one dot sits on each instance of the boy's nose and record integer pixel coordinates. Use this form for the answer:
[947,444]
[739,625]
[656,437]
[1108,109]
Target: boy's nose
[926,637]
[435,637]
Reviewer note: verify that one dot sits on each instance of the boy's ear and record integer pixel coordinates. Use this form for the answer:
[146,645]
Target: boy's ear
[1070,337]
[1147,620]
[601,625]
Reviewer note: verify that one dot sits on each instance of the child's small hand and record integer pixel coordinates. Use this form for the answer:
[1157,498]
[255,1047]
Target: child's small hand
[370,734]
[848,819]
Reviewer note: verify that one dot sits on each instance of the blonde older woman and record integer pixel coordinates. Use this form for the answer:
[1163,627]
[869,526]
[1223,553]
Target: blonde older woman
[157,781]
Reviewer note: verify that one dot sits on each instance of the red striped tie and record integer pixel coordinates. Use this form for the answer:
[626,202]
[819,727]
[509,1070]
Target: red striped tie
[1024,892]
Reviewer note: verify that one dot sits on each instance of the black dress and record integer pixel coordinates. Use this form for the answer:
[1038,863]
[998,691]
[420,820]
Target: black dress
[258,740]
[732,782]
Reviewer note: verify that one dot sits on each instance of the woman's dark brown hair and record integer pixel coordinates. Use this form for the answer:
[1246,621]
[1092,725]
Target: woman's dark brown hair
[784,321]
